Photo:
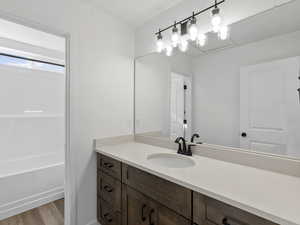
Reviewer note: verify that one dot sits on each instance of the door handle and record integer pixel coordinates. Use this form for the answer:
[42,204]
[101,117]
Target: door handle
[244,134]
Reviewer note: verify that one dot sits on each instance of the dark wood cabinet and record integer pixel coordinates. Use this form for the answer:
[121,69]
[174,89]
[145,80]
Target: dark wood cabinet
[136,207]
[110,166]
[167,193]
[141,210]
[210,211]
[107,215]
[110,190]
[130,196]
[166,216]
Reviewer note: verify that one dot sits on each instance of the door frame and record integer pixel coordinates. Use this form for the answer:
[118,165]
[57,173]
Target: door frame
[70,179]
[187,104]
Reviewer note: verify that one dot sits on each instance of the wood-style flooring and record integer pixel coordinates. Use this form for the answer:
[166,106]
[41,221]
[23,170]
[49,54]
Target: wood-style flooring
[49,214]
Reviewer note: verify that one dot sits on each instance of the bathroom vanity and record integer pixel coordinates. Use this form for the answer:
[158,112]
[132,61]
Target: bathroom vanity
[136,188]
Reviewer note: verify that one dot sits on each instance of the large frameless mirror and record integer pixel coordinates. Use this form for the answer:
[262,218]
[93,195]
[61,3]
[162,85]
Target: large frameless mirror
[242,92]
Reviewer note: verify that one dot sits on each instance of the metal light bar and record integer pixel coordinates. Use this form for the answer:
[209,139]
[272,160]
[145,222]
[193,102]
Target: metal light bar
[190,17]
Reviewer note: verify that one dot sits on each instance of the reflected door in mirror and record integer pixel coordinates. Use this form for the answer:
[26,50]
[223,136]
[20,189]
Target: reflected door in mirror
[269,107]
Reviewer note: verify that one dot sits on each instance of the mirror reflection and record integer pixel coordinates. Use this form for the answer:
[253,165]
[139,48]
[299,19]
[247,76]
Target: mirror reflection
[242,92]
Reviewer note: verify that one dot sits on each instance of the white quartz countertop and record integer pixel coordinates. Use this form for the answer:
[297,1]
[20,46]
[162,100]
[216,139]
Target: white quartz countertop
[273,196]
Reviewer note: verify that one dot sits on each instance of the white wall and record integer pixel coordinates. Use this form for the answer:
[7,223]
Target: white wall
[102,51]
[216,85]
[106,95]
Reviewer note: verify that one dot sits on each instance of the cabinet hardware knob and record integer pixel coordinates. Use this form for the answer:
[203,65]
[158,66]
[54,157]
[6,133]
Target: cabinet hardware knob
[225,221]
[150,217]
[108,188]
[108,165]
[108,218]
[143,215]
[244,134]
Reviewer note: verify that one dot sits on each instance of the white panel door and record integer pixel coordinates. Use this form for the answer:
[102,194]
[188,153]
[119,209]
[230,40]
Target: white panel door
[177,106]
[269,107]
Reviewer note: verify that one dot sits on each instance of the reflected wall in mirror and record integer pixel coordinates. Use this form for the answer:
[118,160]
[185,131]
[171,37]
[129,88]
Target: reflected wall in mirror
[240,93]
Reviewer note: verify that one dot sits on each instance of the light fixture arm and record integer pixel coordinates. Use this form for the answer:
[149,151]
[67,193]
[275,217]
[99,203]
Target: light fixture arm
[190,17]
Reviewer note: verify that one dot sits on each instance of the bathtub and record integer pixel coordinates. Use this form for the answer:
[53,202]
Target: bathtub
[29,183]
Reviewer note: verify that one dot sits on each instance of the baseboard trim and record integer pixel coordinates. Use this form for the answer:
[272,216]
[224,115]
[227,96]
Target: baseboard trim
[34,201]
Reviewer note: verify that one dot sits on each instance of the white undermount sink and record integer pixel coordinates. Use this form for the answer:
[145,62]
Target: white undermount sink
[171,160]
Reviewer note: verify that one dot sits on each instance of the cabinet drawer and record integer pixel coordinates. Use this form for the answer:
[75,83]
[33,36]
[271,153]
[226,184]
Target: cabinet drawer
[223,214]
[111,166]
[167,193]
[211,211]
[110,190]
[107,215]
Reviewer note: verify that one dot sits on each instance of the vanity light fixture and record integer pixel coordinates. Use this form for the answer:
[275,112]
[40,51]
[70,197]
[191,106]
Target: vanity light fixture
[193,34]
[159,43]
[193,30]
[216,19]
[175,36]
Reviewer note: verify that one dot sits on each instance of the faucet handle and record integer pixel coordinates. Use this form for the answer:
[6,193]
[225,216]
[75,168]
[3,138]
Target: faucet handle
[194,136]
[189,150]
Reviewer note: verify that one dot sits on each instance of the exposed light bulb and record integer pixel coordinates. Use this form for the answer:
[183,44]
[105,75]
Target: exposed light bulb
[159,43]
[169,50]
[193,30]
[175,37]
[201,39]
[184,44]
[224,32]
[216,19]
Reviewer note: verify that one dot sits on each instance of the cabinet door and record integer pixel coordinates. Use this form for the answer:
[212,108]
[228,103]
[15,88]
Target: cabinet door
[169,194]
[166,216]
[141,210]
[137,208]
[208,211]
[110,190]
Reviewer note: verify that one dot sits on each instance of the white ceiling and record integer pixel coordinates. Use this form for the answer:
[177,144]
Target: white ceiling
[135,12]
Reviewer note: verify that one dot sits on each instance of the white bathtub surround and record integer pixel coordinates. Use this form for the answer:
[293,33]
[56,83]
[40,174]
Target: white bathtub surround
[273,196]
[29,183]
